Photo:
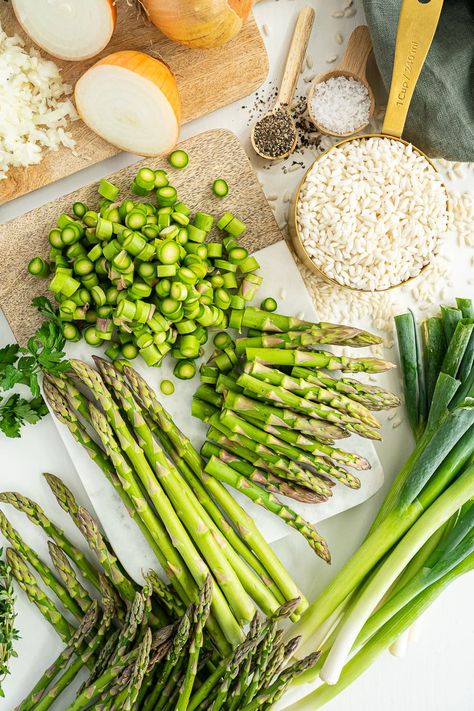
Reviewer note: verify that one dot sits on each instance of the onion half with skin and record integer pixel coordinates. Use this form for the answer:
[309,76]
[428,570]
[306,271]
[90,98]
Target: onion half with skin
[131,100]
[68,29]
[198,23]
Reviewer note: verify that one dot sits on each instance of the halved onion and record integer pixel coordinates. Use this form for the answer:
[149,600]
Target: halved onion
[131,100]
[202,23]
[68,29]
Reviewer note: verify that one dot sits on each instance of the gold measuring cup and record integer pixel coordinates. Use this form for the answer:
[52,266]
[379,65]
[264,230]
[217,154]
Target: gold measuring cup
[416,28]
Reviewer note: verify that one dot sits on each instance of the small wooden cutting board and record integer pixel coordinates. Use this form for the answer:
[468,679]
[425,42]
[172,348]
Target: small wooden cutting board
[214,154]
[207,80]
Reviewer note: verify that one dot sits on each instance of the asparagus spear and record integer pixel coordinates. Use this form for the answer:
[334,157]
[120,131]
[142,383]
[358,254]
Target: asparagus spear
[172,604]
[175,527]
[36,694]
[296,339]
[243,427]
[240,655]
[77,400]
[129,630]
[33,559]
[310,391]
[243,523]
[262,656]
[242,680]
[106,558]
[313,446]
[280,417]
[68,577]
[37,516]
[173,657]
[269,696]
[269,481]
[317,359]
[201,613]
[277,323]
[198,523]
[285,398]
[67,416]
[372,396]
[265,458]
[126,699]
[29,585]
[226,474]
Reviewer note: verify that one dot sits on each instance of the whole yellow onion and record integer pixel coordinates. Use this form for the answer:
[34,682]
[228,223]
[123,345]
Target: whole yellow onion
[198,23]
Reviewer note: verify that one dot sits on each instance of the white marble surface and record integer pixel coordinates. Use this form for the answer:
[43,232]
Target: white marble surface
[436,673]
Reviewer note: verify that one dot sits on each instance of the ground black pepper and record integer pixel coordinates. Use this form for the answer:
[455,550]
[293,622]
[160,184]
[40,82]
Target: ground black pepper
[274,133]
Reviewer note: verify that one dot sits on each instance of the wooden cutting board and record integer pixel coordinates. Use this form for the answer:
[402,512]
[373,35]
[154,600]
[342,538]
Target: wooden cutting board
[214,154]
[207,80]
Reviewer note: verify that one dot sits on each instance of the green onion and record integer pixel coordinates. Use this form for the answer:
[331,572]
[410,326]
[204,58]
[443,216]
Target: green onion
[178,159]
[220,187]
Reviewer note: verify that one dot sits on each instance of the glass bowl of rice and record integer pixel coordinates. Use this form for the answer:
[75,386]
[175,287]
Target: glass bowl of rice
[370,213]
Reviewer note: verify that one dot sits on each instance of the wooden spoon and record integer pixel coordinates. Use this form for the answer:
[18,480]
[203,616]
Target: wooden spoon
[353,65]
[279,116]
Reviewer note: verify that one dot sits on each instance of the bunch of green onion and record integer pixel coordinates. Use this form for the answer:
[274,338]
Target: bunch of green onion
[423,535]
[142,277]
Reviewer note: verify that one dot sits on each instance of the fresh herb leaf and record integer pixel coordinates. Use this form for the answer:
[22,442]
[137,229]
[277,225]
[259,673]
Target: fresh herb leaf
[15,411]
[46,309]
[8,633]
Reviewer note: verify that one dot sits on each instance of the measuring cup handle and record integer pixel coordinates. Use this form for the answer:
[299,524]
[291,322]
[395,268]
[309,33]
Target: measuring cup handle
[416,28]
[297,51]
[357,53]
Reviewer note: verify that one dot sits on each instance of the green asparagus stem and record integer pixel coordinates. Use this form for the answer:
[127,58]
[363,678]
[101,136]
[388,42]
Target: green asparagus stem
[271,694]
[272,483]
[201,613]
[172,604]
[234,512]
[242,680]
[262,655]
[68,576]
[279,417]
[314,446]
[243,427]
[129,630]
[226,474]
[107,560]
[240,655]
[199,525]
[317,359]
[174,655]
[372,396]
[76,641]
[277,323]
[37,516]
[33,559]
[126,700]
[77,400]
[29,585]
[310,391]
[137,457]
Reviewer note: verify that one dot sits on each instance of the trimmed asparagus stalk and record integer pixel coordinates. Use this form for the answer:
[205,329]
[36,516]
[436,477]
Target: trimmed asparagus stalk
[372,396]
[317,359]
[227,475]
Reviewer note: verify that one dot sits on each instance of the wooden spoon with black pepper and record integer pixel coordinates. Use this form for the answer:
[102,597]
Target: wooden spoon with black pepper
[274,135]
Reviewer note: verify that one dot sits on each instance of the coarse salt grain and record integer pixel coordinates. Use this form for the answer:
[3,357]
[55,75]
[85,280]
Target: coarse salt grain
[371,213]
[341,104]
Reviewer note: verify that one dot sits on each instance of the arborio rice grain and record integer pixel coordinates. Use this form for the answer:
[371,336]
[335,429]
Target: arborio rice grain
[372,213]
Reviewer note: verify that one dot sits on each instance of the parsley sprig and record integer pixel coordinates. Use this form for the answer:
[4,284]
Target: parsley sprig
[8,633]
[22,366]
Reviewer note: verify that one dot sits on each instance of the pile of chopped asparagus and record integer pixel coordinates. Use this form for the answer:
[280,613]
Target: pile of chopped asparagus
[192,523]
[138,647]
[275,412]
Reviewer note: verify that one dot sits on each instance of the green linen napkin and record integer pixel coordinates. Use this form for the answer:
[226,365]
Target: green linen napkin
[441,116]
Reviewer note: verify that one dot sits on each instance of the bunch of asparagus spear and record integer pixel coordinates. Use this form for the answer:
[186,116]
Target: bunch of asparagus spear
[275,412]
[138,648]
[192,523]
